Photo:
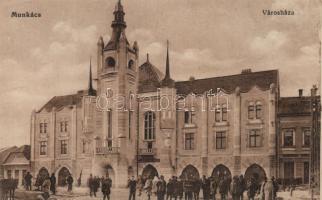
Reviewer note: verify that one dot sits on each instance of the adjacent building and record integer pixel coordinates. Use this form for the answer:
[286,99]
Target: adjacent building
[16,163]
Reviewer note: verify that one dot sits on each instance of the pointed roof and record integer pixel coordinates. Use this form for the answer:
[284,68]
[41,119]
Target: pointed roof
[167,81]
[91,91]
[149,77]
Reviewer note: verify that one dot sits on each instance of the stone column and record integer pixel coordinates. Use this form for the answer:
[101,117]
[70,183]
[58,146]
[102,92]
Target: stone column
[272,130]
[204,111]
[236,133]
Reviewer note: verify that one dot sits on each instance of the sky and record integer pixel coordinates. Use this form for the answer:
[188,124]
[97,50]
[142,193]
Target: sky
[49,56]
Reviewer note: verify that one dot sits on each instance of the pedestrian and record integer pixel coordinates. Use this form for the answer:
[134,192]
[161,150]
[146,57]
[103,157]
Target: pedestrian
[188,189]
[96,184]
[196,188]
[140,185]
[170,189]
[251,189]
[262,189]
[90,184]
[161,188]
[148,187]
[154,185]
[275,187]
[132,187]
[205,187]
[45,188]
[179,189]
[70,182]
[53,183]
[28,178]
[241,187]
[234,189]
[106,187]
[222,188]
[38,182]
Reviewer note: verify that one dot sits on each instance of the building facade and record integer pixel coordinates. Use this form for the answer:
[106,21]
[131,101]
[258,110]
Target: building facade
[139,121]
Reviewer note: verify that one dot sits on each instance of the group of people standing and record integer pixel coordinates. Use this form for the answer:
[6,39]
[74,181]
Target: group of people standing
[95,182]
[189,188]
[46,184]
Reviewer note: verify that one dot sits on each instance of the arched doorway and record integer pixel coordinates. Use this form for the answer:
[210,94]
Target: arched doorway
[221,171]
[255,171]
[62,176]
[43,173]
[190,173]
[108,170]
[149,172]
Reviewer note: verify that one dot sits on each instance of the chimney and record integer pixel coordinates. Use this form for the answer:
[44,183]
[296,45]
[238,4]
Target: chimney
[300,92]
[246,71]
[314,90]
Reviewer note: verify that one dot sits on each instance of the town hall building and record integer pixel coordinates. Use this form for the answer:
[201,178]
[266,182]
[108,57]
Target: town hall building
[139,121]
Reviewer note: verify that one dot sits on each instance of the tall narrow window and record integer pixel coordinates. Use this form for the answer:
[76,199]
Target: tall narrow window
[189,141]
[251,112]
[130,123]
[63,147]
[65,126]
[9,174]
[109,124]
[254,138]
[149,126]
[220,140]
[217,114]
[306,138]
[61,126]
[186,117]
[41,127]
[45,127]
[84,146]
[224,113]
[258,110]
[288,138]
[43,148]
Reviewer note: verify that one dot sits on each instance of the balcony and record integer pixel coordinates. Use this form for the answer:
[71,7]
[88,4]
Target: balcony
[147,151]
[107,150]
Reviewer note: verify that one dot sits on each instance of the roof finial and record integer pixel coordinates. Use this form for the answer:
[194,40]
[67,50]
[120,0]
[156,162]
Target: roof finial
[90,83]
[167,81]
[167,70]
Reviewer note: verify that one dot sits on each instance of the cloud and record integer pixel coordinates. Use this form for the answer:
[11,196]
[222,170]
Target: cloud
[272,42]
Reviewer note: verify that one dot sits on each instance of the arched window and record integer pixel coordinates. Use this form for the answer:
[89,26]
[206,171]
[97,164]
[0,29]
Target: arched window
[110,62]
[131,64]
[149,125]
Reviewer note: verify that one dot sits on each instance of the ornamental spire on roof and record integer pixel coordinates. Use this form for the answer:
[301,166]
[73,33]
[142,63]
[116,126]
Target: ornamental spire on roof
[91,91]
[167,81]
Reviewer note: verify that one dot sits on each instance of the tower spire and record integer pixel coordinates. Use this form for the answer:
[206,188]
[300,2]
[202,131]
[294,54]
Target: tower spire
[91,91]
[167,81]
[118,25]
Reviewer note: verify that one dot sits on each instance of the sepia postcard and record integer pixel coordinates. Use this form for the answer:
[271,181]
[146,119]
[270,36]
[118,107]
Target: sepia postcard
[160,99]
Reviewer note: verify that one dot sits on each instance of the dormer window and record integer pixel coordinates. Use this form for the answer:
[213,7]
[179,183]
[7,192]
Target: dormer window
[131,64]
[109,62]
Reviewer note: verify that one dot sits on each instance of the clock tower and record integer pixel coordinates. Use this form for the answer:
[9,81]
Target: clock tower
[117,72]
